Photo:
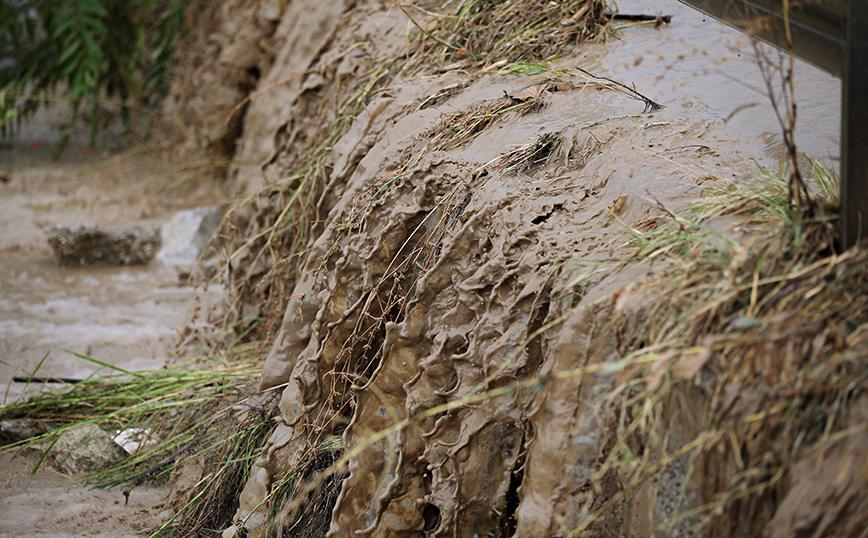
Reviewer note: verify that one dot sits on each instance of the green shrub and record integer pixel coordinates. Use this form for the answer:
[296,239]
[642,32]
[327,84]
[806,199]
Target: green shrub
[88,52]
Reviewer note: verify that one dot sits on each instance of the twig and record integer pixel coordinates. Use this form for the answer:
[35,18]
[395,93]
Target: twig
[597,122]
[625,17]
[132,152]
[217,164]
[250,97]
[46,380]
[800,197]
[650,106]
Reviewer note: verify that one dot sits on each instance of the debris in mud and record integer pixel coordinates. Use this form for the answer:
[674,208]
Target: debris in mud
[658,20]
[650,106]
[534,91]
[434,269]
[122,244]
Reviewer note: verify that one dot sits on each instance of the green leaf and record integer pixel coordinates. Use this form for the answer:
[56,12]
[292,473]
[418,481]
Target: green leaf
[91,49]
[94,7]
[95,25]
[67,20]
[68,50]
[100,363]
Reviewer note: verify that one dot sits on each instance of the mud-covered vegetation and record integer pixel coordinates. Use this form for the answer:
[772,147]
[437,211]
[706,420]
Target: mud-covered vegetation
[740,396]
[193,417]
[441,321]
[483,315]
[482,38]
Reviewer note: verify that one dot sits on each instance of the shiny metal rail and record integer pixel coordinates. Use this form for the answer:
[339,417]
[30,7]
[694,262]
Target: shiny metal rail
[832,35]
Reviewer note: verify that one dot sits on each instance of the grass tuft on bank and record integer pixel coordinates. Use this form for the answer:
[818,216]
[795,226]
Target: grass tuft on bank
[208,416]
[743,386]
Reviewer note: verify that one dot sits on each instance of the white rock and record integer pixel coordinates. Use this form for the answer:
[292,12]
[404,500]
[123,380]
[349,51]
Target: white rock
[187,235]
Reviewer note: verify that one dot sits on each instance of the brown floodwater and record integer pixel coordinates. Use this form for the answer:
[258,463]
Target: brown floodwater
[698,61]
[125,316]
[129,317]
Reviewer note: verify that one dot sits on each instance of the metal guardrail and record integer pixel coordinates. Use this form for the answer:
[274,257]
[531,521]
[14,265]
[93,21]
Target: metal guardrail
[832,35]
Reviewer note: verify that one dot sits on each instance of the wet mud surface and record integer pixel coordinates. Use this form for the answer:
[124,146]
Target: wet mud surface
[50,504]
[698,61]
[456,232]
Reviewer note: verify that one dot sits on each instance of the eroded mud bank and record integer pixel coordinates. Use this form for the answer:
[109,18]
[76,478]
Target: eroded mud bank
[461,222]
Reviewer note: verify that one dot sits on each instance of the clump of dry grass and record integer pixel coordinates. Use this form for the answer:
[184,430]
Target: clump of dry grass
[184,414]
[478,32]
[758,329]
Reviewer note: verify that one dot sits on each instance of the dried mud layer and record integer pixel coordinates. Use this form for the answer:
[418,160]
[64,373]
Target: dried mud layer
[464,217]
[127,316]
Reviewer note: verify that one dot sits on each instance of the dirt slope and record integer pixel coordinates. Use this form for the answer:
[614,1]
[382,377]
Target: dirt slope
[425,232]
[460,215]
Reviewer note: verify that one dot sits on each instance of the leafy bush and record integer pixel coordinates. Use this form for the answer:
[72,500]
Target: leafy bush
[88,51]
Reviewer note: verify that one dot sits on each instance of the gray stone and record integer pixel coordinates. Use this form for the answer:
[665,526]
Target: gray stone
[15,430]
[80,450]
[187,235]
[123,244]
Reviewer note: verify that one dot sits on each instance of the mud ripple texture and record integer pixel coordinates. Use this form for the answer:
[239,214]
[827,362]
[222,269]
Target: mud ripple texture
[441,268]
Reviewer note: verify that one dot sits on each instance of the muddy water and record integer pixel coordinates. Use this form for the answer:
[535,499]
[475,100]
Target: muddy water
[128,317]
[698,61]
[125,316]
